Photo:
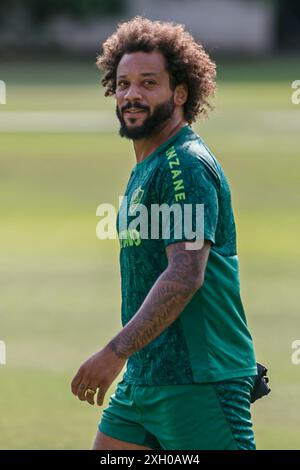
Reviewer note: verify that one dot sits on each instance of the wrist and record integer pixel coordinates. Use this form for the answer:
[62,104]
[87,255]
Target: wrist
[113,349]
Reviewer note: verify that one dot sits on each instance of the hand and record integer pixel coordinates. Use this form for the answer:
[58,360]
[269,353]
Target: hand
[99,371]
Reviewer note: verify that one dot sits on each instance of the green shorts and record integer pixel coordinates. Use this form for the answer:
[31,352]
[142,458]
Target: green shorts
[204,416]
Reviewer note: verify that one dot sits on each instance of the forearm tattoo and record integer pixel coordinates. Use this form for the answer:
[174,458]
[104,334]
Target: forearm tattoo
[165,301]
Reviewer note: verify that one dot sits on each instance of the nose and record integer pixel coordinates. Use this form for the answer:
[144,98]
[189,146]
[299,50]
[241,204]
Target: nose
[133,93]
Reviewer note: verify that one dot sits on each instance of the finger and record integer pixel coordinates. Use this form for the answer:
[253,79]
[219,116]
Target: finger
[90,392]
[89,395]
[76,382]
[100,396]
[81,391]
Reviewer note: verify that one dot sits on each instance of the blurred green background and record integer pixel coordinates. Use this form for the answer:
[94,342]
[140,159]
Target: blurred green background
[60,287]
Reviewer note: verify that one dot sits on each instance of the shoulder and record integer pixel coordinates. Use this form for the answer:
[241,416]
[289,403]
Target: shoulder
[191,157]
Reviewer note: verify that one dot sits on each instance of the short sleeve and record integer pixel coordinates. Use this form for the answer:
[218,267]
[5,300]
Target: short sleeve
[193,191]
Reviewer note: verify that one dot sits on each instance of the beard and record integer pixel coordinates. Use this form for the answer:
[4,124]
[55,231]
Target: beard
[151,125]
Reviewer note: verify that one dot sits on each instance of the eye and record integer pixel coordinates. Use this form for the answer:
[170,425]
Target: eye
[149,83]
[122,83]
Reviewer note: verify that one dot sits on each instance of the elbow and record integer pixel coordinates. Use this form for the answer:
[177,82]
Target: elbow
[196,282]
[191,281]
[200,281]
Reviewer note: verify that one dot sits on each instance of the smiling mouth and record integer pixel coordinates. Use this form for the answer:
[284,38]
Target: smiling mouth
[134,111]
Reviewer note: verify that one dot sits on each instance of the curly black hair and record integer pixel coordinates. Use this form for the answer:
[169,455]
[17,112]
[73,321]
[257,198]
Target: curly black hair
[187,62]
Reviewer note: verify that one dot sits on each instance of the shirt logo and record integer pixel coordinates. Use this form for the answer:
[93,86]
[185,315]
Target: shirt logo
[135,200]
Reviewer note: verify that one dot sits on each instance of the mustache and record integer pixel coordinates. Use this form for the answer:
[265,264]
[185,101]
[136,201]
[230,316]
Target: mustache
[136,106]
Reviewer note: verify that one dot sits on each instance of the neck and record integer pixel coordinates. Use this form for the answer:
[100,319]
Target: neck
[144,147]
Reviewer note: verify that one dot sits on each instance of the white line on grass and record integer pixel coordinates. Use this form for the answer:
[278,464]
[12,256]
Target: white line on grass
[57,121]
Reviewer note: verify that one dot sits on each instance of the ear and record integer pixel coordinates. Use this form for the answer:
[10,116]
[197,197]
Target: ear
[180,94]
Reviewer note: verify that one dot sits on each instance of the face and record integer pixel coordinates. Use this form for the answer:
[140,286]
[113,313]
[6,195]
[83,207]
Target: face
[145,100]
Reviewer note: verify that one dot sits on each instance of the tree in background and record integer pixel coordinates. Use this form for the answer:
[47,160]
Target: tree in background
[41,10]
[288,30]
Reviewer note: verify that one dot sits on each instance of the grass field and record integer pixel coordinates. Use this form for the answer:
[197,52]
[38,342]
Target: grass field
[60,285]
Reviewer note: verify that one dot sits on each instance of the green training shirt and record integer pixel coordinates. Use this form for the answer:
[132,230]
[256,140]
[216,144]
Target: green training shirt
[210,340]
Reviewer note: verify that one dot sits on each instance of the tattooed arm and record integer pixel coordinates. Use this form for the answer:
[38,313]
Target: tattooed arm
[167,298]
[165,301]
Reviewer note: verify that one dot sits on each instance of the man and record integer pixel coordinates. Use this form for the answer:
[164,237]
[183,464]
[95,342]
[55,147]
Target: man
[190,360]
